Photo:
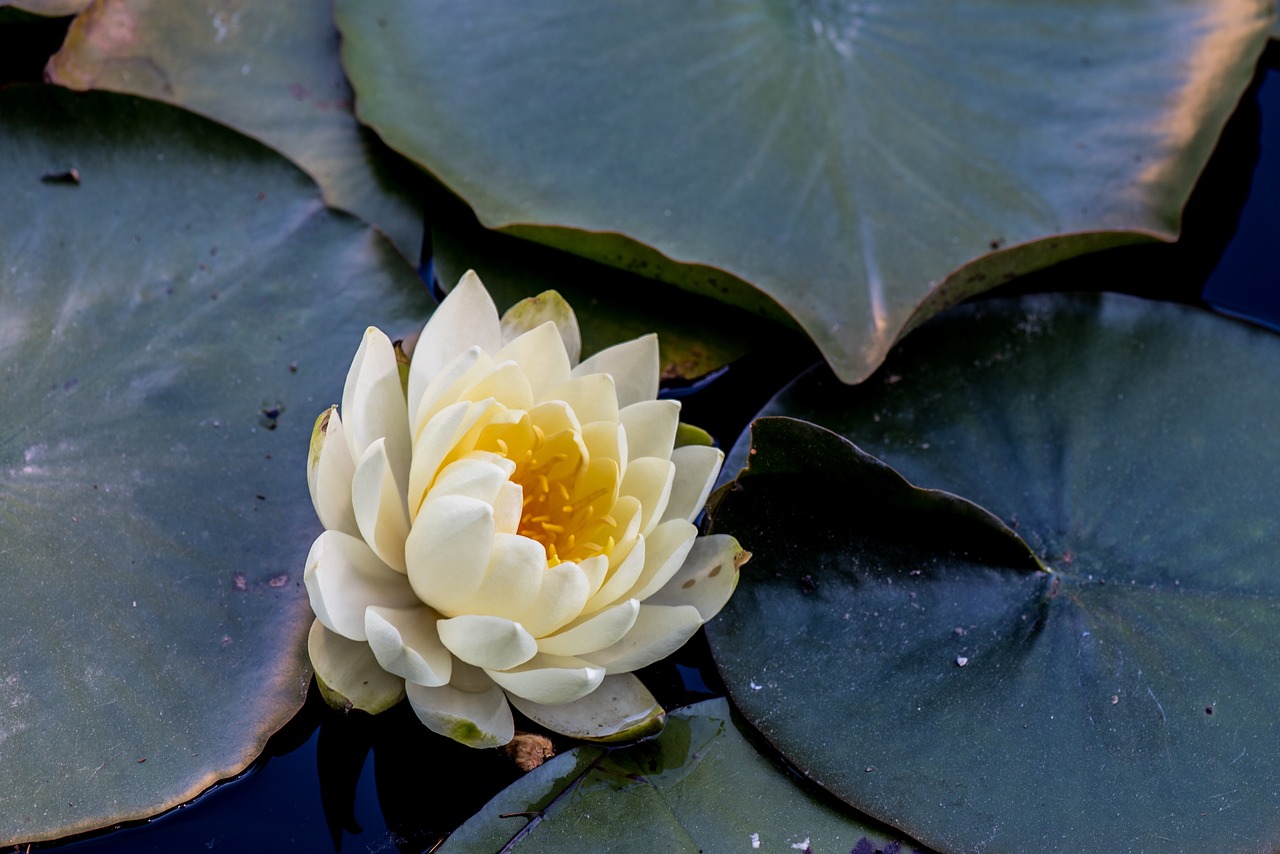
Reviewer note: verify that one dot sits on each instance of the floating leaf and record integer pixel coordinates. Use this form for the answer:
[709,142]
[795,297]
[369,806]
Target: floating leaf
[700,786]
[48,8]
[1123,702]
[864,165]
[269,70]
[696,335]
[171,320]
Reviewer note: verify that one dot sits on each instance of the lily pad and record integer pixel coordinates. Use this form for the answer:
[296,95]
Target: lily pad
[864,165]
[176,305]
[48,8]
[700,786]
[269,70]
[1122,700]
[695,334]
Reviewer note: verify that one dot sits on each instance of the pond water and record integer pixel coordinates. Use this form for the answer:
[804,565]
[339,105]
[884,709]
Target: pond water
[355,784]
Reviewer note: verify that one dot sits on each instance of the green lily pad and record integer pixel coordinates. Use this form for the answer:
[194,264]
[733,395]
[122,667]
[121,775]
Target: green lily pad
[1123,700]
[48,8]
[695,335]
[700,786]
[173,314]
[269,70]
[864,165]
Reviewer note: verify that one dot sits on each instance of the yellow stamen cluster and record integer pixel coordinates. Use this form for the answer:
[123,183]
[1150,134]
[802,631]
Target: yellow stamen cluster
[567,497]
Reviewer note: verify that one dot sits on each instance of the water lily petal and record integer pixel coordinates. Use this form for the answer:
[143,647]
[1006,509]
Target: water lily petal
[489,642]
[649,479]
[591,397]
[606,440]
[438,438]
[512,579]
[329,472]
[651,427]
[659,631]
[666,550]
[406,643]
[467,368]
[707,577]
[541,355]
[532,312]
[507,383]
[561,598]
[696,469]
[478,475]
[471,711]
[373,403]
[550,679]
[349,675]
[594,632]
[595,569]
[624,576]
[632,364]
[465,318]
[620,709]
[447,551]
[508,507]
[343,577]
[379,508]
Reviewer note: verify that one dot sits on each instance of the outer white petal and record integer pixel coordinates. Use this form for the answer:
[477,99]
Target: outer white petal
[378,501]
[465,318]
[621,709]
[532,312]
[550,679]
[592,397]
[373,404]
[488,642]
[659,631]
[343,577]
[349,675]
[508,507]
[667,547]
[512,580]
[707,578]
[329,472]
[561,599]
[633,366]
[470,709]
[697,467]
[447,550]
[595,569]
[541,355]
[651,427]
[588,634]
[649,480]
[405,642]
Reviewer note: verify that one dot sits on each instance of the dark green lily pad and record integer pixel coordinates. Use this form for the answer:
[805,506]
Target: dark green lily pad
[1123,702]
[269,70]
[695,335]
[176,305]
[699,786]
[864,165]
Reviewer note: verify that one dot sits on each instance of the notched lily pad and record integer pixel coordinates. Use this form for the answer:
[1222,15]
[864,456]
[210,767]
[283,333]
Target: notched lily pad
[1123,700]
[269,70]
[864,165]
[152,528]
[700,786]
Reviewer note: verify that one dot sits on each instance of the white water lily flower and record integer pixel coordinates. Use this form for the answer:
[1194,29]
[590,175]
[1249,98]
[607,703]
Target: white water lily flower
[505,524]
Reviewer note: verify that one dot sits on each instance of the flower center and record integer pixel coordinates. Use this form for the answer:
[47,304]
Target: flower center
[567,495]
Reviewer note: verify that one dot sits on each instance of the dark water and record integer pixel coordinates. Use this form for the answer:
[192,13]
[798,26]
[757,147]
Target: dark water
[355,784]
